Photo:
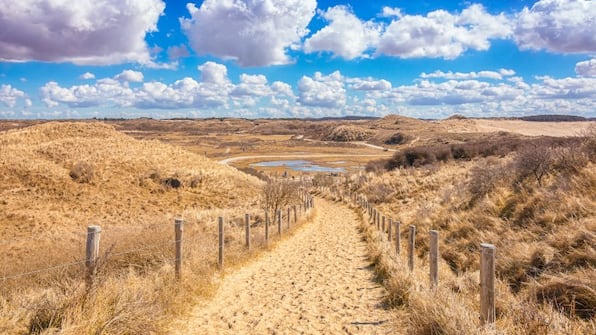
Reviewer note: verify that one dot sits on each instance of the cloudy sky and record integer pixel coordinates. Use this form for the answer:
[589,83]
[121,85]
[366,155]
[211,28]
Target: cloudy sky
[296,58]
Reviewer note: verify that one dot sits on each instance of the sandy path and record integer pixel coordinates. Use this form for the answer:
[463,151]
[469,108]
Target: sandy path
[316,282]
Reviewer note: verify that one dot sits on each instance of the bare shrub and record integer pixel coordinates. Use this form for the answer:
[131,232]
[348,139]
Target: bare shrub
[278,194]
[376,166]
[322,180]
[378,193]
[348,133]
[484,178]
[253,172]
[533,160]
[172,182]
[397,138]
[82,172]
[568,159]
[589,142]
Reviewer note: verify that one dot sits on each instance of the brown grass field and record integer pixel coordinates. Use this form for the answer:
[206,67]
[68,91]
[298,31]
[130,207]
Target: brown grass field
[59,177]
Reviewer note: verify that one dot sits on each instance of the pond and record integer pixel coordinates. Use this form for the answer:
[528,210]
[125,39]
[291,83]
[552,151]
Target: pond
[300,165]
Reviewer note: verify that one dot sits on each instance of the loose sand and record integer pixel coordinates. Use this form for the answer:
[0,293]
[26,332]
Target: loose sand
[318,281]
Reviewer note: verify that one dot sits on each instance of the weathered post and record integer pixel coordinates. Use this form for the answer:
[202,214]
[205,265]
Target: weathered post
[92,253]
[178,227]
[397,237]
[434,258]
[487,283]
[266,227]
[390,230]
[279,221]
[295,214]
[221,243]
[378,220]
[374,216]
[383,224]
[247,228]
[411,247]
[289,216]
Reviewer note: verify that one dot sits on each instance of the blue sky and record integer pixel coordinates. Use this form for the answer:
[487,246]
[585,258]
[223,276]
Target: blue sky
[296,58]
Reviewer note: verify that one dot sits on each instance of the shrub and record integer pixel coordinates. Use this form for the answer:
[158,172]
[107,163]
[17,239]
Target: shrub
[322,180]
[397,138]
[278,194]
[348,133]
[253,172]
[378,193]
[589,143]
[376,166]
[82,172]
[172,182]
[484,177]
[533,160]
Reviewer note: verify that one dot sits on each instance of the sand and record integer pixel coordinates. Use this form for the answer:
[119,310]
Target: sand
[318,281]
[527,128]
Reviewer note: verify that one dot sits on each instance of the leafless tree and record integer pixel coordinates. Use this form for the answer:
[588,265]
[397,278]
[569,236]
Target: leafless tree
[278,194]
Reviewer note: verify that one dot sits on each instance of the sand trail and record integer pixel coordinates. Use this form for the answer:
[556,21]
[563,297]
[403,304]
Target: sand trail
[318,281]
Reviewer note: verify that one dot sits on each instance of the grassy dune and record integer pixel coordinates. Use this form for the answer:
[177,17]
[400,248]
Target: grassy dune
[58,178]
[542,225]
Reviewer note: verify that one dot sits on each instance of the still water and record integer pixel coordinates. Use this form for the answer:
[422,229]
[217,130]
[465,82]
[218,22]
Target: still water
[299,165]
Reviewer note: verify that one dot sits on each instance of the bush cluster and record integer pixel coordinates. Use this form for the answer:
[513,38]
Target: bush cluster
[424,155]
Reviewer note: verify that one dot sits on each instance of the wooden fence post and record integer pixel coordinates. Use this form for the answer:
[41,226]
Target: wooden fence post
[221,243]
[295,214]
[487,283]
[397,237]
[383,224]
[289,217]
[266,227]
[378,220]
[92,252]
[178,227]
[390,230]
[279,221]
[411,247]
[247,228]
[434,258]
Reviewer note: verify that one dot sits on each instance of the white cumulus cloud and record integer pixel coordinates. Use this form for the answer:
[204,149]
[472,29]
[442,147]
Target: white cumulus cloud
[346,35]
[497,75]
[82,32]
[130,76]
[9,95]
[253,33]
[87,76]
[322,91]
[211,90]
[566,26]
[368,84]
[586,68]
[442,34]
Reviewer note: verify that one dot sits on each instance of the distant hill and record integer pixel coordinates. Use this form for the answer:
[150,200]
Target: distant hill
[554,118]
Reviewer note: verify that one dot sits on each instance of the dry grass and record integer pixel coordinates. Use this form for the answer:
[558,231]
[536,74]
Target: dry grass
[60,177]
[542,227]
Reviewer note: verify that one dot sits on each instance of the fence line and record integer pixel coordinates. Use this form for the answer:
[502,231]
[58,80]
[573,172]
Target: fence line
[487,256]
[92,250]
